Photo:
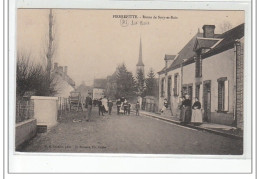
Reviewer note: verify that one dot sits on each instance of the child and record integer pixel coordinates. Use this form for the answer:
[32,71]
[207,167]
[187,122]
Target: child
[128,108]
[137,107]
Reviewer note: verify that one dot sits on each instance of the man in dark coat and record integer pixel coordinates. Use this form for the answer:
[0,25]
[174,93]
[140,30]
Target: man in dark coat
[100,107]
[110,105]
[89,105]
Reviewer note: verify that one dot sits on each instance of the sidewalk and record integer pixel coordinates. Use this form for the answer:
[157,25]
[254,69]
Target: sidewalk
[219,129]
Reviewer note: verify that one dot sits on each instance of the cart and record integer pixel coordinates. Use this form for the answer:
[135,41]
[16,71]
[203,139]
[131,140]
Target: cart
[75,101]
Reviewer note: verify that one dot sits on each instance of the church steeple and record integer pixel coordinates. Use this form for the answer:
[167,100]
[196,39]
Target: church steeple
[140,64]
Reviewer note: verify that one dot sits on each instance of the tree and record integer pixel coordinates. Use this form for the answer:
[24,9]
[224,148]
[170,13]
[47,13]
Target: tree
[32,77]
[150,84]
[125,83]
[140,84]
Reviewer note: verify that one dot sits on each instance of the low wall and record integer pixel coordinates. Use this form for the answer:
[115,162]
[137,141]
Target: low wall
[24,131]
[45,110]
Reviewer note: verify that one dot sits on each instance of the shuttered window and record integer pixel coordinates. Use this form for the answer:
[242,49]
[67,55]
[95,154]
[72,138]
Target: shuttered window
[162,88]
[198,67]
[223,94]
[176,84]
[197,92]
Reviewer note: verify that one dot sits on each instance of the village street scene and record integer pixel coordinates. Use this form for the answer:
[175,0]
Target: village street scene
[127,81]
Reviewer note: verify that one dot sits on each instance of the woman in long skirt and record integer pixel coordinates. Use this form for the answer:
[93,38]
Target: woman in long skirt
[186,110]
[196,112]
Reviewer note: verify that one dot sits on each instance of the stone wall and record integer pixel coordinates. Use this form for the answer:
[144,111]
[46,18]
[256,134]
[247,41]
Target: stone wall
[24,131]
[239,83]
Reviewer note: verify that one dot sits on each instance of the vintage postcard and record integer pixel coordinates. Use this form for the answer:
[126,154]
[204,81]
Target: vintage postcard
[130,81]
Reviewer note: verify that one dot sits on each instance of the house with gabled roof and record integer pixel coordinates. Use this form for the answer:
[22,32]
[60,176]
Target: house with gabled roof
[64,83]
[99,88]
[209,67]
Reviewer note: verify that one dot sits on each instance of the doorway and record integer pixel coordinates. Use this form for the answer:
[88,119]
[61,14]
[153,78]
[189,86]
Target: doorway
[207,100]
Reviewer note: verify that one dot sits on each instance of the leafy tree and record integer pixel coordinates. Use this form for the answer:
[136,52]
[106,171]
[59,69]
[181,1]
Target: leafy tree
[150,84]
[140,84]
[32,77]
[125,83]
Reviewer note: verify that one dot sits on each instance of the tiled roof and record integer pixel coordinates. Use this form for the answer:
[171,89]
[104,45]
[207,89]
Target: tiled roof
[223,42]
[228,41]
[205,43]
[185,53]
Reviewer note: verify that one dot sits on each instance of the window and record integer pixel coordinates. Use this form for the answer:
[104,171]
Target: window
[197,92]
[222,94]
[198,67]
[162,88]
[176,85]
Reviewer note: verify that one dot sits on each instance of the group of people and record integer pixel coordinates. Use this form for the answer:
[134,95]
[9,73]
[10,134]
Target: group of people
[188,113]
[124,107]
[105,106]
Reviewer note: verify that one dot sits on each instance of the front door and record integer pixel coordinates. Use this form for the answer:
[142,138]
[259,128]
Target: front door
[207,101]
[190,92]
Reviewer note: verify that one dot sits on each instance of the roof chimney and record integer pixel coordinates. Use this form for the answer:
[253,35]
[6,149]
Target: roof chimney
[208,31]
[60,69]
[65,69]
[55,65]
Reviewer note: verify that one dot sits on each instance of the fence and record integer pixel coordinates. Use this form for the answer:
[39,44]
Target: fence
[63,105]
[24,110]
[149,104]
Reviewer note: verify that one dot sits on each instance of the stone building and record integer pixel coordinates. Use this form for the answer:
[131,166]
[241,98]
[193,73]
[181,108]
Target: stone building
[64,82]
[209,67]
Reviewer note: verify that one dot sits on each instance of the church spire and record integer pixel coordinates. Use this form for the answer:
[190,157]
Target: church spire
[140,60]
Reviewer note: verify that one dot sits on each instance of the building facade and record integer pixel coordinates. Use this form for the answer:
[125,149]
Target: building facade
[212,71]
[64,84]
[99,88]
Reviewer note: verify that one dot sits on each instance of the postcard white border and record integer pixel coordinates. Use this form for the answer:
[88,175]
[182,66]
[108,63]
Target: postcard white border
[128,163]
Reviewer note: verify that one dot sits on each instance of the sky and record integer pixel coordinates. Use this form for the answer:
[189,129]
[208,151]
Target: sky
[92,43]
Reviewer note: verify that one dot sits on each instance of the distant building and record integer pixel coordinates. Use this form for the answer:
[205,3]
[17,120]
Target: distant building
[64,83]
[209,67]
[99,88]
[84,90]
[111,86]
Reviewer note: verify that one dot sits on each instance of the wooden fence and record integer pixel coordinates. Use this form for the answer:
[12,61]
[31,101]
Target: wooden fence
[24,110]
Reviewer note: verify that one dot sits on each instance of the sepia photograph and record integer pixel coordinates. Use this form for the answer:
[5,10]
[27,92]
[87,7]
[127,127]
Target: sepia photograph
[128,81]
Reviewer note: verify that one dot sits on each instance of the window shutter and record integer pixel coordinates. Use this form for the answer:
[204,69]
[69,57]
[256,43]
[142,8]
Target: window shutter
[219,97]
[177,86]
[226,95]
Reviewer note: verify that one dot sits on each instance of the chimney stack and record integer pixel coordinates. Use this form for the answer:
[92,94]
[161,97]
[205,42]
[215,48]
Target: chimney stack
[208,31]
[55,66]
[65,69]
[60,69]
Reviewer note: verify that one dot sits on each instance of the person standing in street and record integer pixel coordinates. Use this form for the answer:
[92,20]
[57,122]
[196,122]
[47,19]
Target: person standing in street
[196,117]
[100,107]
[118,105]
[128,108]
[137,108]
[125,106]
[89,106]
[110,105]
[186,110]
